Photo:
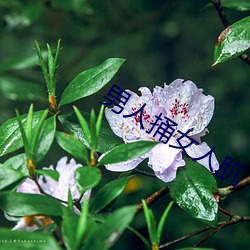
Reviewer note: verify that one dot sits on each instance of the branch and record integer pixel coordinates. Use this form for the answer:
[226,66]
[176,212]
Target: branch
[144,173]
[235,220]
[152,198]
[226,23]
[224,192]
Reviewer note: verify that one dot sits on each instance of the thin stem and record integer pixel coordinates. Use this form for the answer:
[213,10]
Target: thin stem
[224,211]
[226,23]
[152,198]
[224,192]
[144,173]
[235,220]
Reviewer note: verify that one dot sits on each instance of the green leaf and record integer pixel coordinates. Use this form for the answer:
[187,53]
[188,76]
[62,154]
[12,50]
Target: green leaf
[18,162]
[10,136]
[20,204]
[193,191]
[87,177]
[241,5]
[108,193]
[46,138]
[16,240]
[99,122]
[233,41]
[162,221]
[126,152]
[84,125]
[107,139]
[53,174]
[19,90]
[92,127]
[90,81]
[151,223]
[105,235]
[73,146]
[8,176]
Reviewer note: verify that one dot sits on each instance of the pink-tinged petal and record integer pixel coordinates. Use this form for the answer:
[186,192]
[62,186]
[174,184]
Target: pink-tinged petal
[186,105]
[125,166]
[165,160]
[196,151]
[29,187]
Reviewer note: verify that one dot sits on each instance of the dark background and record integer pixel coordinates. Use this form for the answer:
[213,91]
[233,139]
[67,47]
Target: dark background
[161,41]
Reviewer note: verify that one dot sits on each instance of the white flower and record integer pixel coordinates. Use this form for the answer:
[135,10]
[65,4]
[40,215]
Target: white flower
[58,189]
[183,103]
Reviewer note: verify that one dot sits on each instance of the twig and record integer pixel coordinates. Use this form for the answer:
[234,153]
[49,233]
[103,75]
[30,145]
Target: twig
[226,23]
[235,220]
[144,173]
[223,192]
[152,198]
[224,211]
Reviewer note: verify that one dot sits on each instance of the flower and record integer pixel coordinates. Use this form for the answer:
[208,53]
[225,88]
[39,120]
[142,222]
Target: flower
[183,103]
[58,189]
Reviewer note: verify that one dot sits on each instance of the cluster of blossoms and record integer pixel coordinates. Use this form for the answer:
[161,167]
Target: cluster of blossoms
[183,103]
[58,189]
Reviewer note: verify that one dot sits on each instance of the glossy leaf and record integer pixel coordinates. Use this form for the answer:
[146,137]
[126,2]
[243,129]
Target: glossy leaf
[193,191]
[20,204]
[10,136]
[105,235]
[87,177]
[108,193]
[241,5]
[107,138]
[127,152]
[90,81]
[19,90]
[233,41]
[18,162]
[53,174]
[46,137]
[73,146]
[16,240]
[8,176]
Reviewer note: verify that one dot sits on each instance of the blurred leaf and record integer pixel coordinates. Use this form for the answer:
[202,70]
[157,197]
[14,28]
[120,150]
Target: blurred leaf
[20,62]
[19,90]
[108,193]
[46,137]
[241,5]
[232,41]
[78,6]
[10,136]
[10,3]
[107,139]
[87,177]
[90,81]
[69,230]
[73,146]
[20,204]
[195,248]
[126,152]
[53,174]
[193,191]
[9,176]
[16,240]
[105,235]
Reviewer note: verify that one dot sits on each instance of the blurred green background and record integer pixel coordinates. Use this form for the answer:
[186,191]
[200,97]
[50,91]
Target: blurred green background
[162,41]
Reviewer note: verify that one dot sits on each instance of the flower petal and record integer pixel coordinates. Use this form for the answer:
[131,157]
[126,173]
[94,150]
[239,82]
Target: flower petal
[165,160]
[29,187]
[196,151]
[186,105]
